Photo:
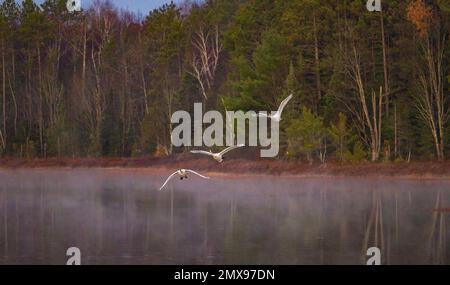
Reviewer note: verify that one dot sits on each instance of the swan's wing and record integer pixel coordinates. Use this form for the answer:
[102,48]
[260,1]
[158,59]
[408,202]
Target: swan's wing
[202,152]
[167,180]
[230,148]
[284,103]
[196,173]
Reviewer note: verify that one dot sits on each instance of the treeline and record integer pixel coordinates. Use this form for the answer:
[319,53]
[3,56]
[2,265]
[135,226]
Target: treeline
[105,82]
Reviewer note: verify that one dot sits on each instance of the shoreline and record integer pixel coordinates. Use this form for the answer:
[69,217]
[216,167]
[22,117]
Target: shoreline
[427,170]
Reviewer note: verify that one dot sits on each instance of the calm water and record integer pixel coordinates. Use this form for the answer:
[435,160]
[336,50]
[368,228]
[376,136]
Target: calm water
[118,217]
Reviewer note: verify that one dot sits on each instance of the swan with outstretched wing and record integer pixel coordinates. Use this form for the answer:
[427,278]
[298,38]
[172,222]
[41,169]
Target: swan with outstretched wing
[218,156]
[277,115]
[182,173]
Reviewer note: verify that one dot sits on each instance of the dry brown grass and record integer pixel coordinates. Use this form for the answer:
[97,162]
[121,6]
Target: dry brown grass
[429,169]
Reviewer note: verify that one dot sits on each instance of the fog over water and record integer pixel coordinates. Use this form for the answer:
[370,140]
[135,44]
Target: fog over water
[119,217]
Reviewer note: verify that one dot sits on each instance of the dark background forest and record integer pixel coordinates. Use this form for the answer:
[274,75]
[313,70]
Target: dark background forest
[104,82]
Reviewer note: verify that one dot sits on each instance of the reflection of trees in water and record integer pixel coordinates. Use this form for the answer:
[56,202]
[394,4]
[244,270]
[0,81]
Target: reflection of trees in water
[232,216]
[264,220]
[233,209]
[321,225]
[382,226]
[374,232]
[41,212]
[437,239]
[5,222]
[126,225]
[205,232]
[98,217]
[172,204]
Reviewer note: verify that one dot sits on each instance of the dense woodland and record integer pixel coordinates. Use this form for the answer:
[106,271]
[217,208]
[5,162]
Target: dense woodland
[104,82]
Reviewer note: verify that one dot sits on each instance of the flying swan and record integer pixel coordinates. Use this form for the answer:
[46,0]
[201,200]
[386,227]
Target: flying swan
[182,173]
[277,115]
[219,155]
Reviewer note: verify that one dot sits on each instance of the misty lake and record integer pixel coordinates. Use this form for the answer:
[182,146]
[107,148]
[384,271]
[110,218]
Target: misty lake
[118,217]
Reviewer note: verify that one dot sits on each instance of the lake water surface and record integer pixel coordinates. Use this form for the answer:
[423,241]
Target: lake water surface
[119,217]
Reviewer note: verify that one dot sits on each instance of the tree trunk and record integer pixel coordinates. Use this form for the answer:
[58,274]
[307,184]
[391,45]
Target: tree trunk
[370,123]
[317,65]
[4,91]
[385,64]
[431,101]
[395,132]
[83,71]
[40,105]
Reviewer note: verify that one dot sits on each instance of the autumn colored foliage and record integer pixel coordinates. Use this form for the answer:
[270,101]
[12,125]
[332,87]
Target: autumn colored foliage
[421,16]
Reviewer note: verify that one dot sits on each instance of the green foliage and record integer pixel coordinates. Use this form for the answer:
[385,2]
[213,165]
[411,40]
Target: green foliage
[58,135]
[95,146]
[26,149]
[164,34]
[111,132]
[262,78]
[292,86]
[444,5]
[249,23]
[123,77]
[358,154]
[34,28]
[306,135]
[341,136]
[146,144]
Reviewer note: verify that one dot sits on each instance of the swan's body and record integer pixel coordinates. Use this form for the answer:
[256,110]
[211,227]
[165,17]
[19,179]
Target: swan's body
[182,173]
[218,156]
[277,115]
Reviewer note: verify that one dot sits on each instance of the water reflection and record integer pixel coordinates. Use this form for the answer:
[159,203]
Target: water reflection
[118,217]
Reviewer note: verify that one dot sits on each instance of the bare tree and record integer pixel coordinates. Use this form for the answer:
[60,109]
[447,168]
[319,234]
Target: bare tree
[93,100]
[142,66]
[366,111]
[2,141]
[51,88]
[385,62]
[431,101]
[3,92]
[317,64]
[205,57]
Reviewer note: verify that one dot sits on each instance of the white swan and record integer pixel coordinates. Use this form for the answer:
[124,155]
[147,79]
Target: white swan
[219,155]
[277,115]
[182,173]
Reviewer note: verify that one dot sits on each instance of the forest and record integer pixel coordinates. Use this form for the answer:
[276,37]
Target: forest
[104,82]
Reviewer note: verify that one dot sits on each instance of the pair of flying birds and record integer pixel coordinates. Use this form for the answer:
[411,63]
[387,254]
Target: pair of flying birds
[219,156]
